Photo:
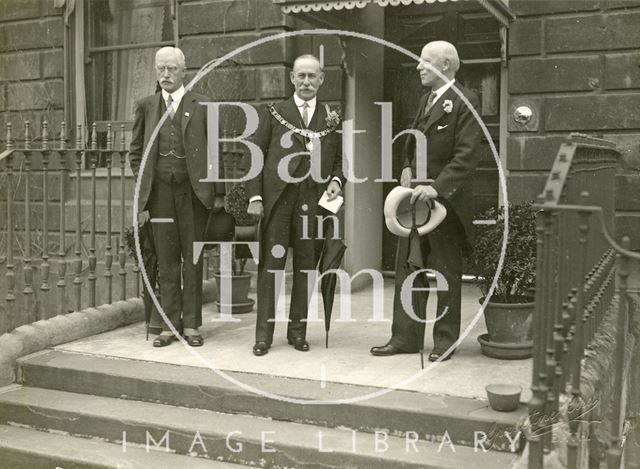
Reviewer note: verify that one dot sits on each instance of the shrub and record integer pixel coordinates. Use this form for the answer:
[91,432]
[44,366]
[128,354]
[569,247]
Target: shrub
[517,277]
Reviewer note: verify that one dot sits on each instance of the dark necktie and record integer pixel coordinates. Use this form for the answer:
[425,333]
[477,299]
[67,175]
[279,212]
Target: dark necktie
[430,100]
[170,107]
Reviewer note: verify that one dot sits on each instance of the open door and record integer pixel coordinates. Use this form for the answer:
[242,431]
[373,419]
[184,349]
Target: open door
[476,35]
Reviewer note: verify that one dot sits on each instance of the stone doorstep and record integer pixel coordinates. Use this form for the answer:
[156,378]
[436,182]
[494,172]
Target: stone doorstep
[236,438]
[27,448]
[400,412]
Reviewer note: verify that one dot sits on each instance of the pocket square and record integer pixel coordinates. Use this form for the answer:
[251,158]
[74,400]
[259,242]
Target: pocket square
[440,127]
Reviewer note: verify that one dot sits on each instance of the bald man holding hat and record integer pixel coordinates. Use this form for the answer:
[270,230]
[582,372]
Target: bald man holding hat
[453,139]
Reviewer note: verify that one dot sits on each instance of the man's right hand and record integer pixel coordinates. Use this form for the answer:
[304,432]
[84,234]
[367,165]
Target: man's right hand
[256,209]
[405,177]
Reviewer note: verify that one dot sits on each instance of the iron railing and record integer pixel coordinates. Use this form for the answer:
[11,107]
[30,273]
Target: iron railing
[63,246]
[45,205]
[580,270]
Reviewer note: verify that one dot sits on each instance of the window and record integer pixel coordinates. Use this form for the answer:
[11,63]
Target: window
[122,37]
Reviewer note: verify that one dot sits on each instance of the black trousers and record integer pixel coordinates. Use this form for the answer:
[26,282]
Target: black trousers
[296,207]
[443,252]
[180,279]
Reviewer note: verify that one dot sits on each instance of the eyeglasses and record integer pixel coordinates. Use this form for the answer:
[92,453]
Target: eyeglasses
[169,68]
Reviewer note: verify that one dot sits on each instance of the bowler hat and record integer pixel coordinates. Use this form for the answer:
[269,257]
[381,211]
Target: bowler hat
[220,227]
[399,216]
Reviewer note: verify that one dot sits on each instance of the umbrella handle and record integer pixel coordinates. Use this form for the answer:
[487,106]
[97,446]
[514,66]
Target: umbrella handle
[259,238]
[413,216]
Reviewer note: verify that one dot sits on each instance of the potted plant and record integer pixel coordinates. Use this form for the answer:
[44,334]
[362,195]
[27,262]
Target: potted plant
[509,312]
[236,202]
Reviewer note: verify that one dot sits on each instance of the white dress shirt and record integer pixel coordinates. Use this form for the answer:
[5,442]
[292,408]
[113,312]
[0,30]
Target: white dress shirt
[310,110]
[440,91]
[176,96]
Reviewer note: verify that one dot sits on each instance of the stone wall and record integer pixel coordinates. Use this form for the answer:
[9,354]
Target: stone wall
[31,64]
[210,29]
[577,65]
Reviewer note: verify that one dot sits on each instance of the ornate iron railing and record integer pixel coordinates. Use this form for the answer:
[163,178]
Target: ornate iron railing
[43,176]
[581,275]
[63,246]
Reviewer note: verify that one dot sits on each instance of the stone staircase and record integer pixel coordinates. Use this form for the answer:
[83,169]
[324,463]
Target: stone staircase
[75,410]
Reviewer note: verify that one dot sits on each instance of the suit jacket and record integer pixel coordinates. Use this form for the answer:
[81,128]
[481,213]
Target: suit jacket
[453,141]
[148,112]
[268,184]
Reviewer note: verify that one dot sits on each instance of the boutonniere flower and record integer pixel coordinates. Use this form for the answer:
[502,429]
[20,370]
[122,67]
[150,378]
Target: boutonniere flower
[447,106]
[333,119]
[186,114]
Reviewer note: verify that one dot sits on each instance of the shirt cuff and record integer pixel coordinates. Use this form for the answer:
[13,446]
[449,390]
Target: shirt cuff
[337,179]
[255,198]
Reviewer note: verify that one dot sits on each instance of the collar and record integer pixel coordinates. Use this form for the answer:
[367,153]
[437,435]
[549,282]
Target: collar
[440,91]
[299,101]
[176,96]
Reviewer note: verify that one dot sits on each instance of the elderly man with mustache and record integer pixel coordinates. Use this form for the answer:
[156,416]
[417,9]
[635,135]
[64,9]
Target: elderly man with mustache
[171,190]
[288,203]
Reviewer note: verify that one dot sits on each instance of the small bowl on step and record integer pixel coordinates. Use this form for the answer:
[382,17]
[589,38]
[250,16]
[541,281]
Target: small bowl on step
[503,397]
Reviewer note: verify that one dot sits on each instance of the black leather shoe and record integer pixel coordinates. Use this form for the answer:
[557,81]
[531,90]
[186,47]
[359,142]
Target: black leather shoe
[163,340]
[299,344]
[195,340]
[260,348]
[435,356]
[386,350]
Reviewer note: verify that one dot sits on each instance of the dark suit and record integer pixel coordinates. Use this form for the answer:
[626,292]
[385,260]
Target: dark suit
[180,196]
[285,205]
[453,140]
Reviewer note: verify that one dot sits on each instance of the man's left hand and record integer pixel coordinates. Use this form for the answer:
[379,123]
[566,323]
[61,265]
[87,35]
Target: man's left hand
[423,193]
[218,203]
[333,190]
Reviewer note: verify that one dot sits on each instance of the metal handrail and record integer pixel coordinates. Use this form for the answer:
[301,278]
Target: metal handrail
[571,303]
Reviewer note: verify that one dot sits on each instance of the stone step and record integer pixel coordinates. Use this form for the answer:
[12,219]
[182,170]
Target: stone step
[26,448]
[399,412]
[232,438]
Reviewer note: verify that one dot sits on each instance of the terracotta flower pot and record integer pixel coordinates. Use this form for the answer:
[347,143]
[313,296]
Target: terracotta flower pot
[240,301]
[509,327]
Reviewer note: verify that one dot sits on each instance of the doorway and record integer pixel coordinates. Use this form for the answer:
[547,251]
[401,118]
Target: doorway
[476,35]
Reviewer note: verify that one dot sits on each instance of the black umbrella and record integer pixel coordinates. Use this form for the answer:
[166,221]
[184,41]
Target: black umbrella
[150,263]
[330,259]
[415,261]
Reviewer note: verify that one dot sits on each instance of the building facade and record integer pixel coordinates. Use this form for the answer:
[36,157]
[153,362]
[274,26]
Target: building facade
[543,69]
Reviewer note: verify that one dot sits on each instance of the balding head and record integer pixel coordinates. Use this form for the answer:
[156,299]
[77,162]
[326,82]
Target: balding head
[307,59]
[441,56]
